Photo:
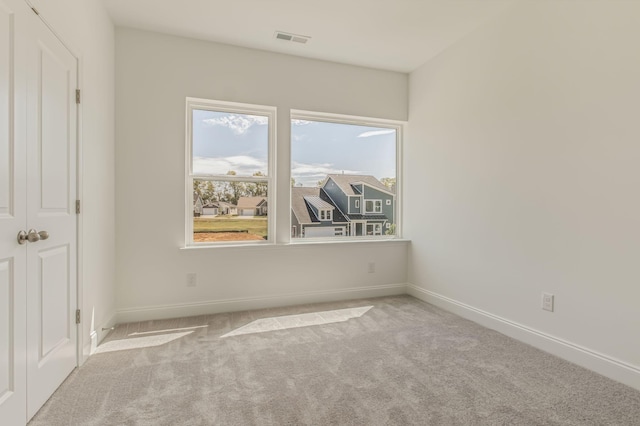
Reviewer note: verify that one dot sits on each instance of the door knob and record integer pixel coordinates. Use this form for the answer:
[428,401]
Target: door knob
[22,237]
[32,236]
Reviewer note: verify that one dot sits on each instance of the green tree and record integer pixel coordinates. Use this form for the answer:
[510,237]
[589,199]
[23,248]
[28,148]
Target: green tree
[391,230]
[389,183]
[235,189]
[256,189]
[205,189]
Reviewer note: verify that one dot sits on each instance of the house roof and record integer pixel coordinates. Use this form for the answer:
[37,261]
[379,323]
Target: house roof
[250,202]
[345,183]
[301,209]
[298,205]
[222,204]
[318,202]
[195,197]
[368,217]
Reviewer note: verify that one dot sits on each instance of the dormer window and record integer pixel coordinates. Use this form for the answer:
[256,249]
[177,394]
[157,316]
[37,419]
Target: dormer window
[326,215]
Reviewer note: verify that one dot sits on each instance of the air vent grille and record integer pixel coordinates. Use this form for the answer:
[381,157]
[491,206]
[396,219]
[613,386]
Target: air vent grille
[295,38]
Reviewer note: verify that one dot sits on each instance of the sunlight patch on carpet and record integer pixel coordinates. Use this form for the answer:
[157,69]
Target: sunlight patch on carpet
[301,320]
[140,342]
[140,333]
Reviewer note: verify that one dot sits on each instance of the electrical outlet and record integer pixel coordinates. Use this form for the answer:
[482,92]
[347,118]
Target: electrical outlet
[547,302]
[372,267]
[192,279]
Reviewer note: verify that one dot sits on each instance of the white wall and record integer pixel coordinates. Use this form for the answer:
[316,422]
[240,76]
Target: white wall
[87,30]
[524,143]
[154,74]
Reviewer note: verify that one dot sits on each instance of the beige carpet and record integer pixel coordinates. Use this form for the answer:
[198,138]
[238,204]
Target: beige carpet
[384,361]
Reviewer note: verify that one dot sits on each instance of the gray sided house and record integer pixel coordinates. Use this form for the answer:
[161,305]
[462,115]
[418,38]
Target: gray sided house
[345,205]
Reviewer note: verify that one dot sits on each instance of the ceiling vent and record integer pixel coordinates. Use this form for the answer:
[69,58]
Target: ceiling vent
[296,38]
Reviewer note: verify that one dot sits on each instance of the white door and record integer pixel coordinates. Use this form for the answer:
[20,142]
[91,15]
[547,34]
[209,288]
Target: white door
[13,256]
[37,191]
[51,195]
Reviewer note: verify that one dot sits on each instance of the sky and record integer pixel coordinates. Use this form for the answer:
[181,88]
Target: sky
[227,141]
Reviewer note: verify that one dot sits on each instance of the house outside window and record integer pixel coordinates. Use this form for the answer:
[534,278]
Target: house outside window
[229,172]
[350,165]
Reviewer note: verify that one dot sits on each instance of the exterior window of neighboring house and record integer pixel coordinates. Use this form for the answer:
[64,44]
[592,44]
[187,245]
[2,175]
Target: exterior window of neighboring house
[339,163]
[229,176]
[373,206]
[325,215]
[374,229]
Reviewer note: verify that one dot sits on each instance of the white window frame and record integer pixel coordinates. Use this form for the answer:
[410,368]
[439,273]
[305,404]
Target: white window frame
[398,126]
[240,108]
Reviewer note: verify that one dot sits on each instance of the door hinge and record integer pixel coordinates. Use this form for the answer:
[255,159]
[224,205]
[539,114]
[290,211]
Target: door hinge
[77,96]
[35,11]
[77,206]
[77,316]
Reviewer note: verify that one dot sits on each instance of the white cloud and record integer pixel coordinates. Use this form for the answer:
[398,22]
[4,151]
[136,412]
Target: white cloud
[376,133]
[310,174]
[238,124]
[241,164]
[297,122]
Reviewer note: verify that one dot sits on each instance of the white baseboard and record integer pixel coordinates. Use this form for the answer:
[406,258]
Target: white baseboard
[231,305]
[590,359]
[105,328]
[96,337]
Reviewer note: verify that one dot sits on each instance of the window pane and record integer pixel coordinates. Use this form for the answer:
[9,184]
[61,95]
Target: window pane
[229,143]
[347,169]
[229,211]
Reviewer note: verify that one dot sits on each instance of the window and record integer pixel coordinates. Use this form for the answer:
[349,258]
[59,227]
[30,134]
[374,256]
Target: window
[325,215]
[336,161]
[374,229]
[373,206]
[229,172]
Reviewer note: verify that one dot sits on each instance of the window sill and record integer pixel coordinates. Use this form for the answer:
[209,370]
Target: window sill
[284,246]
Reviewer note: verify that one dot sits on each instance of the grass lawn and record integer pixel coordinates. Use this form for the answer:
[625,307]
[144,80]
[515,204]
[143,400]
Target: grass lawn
[226,226]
